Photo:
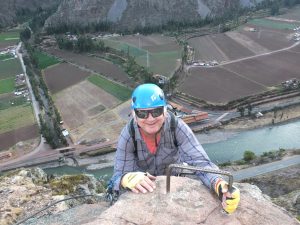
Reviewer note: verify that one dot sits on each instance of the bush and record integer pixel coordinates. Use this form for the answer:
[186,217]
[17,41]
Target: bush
[249,155]
[228,163]
[240,162]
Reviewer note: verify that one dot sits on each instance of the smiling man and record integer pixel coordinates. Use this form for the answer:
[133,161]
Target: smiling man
[153,140]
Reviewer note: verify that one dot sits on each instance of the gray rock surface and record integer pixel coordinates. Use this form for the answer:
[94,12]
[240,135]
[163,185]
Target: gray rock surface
[190,203]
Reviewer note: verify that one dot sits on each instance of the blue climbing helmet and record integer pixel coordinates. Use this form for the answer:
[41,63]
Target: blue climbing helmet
[147,96]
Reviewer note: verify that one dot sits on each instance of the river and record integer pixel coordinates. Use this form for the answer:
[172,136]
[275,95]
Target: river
[225,146]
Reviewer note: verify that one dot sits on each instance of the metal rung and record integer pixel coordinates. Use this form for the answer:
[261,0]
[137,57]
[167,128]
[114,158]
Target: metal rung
[194,168]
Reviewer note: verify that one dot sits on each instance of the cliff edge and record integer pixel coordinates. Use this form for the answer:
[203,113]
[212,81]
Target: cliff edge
[187,203]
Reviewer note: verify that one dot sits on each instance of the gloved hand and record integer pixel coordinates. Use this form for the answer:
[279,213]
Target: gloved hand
[229,198]
[129,180]
[138,182]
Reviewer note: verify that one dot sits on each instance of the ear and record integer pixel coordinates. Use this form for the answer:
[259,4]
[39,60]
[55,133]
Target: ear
[165,110]
[133,115]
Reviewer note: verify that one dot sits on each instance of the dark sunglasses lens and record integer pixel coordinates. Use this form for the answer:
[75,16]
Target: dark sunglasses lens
[157,112]
[143,114]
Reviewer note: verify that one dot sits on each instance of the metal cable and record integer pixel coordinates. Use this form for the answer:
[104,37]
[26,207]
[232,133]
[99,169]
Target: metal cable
[73,197]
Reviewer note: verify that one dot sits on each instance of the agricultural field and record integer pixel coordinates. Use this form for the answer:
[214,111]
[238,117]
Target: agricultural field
[81,98]
[120,92]
[206,49]
[292,15]
[161,54]
[272,24]
[7,85]
[218,85]
[106,125]
[249,39]
[9,38]
[94,65]
[44,60]
[15,117]
[62,76]
[9,68]
[17,122]
[80,102]
[244,78]
[265,55]
[10,138]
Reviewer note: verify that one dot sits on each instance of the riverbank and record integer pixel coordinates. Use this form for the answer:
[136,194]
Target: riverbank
[279,116]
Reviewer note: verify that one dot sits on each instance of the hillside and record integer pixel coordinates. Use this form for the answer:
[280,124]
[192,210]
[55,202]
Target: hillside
[128,15]
[11,10]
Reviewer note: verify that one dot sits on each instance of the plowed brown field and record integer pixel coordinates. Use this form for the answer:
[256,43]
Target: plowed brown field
[62,76]
[10,138]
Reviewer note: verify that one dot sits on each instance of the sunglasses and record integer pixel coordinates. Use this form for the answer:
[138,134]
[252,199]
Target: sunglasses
[144,114]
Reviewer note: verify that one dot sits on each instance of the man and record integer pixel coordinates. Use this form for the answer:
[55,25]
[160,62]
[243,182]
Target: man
[152,147]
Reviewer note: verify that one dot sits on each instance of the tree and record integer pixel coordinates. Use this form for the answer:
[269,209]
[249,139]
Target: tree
[275,8]
[25,34]
[249,107]
[241,110]
[249,155]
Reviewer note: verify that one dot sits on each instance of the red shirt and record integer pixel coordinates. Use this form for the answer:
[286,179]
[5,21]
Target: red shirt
[151,141]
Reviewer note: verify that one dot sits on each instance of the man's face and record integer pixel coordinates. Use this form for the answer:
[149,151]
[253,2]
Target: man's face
[151,124]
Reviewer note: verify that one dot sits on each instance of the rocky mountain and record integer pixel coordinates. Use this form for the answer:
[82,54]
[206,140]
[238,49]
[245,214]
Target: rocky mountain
[11,9]
[25,192]
[129,14]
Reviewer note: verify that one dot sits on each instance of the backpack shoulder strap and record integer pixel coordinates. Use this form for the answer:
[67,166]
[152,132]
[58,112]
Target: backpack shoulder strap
[132,134]
[173,125]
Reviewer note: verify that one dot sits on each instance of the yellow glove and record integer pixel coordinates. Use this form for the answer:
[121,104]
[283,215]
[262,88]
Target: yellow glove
[229,203]
[130,180]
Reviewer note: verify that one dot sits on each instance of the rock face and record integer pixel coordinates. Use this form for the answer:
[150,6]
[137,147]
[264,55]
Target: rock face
[189,203]
[129,14]
[24,192]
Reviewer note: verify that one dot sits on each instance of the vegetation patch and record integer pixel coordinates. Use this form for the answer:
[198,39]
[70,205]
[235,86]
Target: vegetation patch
[160,63]
[67,184]
[272,24]
[120,92]
[7,85]
[16,117]
[43,60]
[5,57]
[122,46]
[160,57]
[96,110]
[10,68]
[11,101]
[10,35]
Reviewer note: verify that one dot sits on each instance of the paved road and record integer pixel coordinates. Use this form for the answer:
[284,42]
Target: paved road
[266,168]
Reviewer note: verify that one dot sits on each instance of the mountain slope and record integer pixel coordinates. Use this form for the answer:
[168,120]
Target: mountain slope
[129,14]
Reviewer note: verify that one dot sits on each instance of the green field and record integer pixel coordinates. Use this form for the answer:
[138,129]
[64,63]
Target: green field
[16,117]
[125,47]
[44,60]
[6,57]
[10,35]
[272,24]
[9,68]
[7,85]
[159,62]
[11,101]
[120,92]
